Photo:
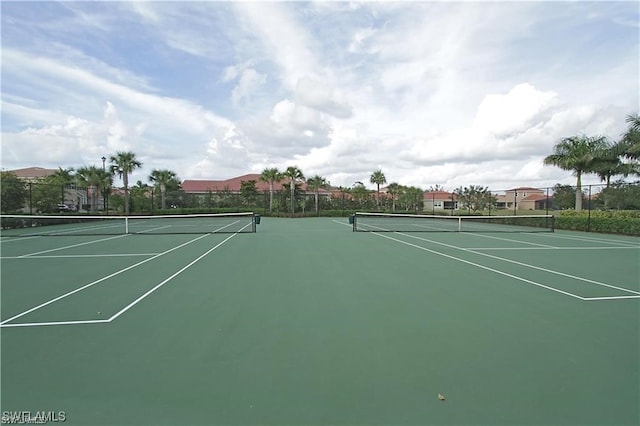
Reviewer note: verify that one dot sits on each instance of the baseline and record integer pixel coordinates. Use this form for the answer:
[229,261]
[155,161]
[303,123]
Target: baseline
[4,324]
[477,265]
[526,265]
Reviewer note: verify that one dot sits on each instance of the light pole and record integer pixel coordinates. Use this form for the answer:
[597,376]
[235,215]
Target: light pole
[104,190]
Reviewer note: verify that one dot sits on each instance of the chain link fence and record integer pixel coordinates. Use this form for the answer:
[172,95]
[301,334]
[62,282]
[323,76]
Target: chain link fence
[586,209]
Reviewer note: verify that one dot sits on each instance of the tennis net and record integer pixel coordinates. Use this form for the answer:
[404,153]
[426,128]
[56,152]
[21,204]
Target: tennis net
[42,225]
[387,222]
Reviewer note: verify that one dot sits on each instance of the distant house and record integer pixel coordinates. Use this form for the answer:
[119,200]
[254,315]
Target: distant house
[72,197]
[31,174]
[440,200]
[233,185]
[524,198]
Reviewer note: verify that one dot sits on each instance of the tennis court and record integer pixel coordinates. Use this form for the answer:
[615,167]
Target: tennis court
[307,322]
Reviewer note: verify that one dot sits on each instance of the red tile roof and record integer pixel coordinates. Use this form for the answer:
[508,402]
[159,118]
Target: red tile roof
[525,188]
[234,184]
[33,172]
[439,195]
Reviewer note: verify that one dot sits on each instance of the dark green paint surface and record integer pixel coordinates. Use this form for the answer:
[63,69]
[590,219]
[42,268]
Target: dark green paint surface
[306,322]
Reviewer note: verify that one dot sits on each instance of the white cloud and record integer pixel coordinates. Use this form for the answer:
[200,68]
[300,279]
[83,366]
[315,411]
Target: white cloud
[433,93]
[321,96]
[250,80]
[515,111]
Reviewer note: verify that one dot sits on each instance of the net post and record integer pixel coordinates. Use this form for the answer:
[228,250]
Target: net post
[126,224]
[460,224]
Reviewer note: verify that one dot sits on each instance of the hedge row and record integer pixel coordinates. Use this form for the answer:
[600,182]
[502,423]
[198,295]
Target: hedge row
[626,223]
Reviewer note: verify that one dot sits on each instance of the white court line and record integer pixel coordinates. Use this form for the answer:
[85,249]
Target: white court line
[511,241]
[126,308]
[480,266]
[526,265]
[611,298]
[34,324]
[506,274]
[589,239]
[74,256]
[5,239]
[139,299]
[554,248]
[73,245]
[97,281]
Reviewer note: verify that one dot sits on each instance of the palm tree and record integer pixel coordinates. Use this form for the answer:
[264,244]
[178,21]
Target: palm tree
[578,154]
[162,178]
[315,183]
[63,176]
[394,189]
[294,174]
[361,195]
[123,163]
[378,178]
[634,121]
[630,144]
[271,176]
[610,164]
[94,179]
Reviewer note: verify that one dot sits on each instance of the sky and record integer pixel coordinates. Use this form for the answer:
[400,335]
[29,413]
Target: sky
[432,93]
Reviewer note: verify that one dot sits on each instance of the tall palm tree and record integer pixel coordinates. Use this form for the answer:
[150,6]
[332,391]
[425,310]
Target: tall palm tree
[315,183]
[163,178]
[94,179]
[578,154]
[394,189]
[62,178]
[609,163]
[634,121]
[378,178]
[630,143]
[123,163]
[271,176]
[294,174]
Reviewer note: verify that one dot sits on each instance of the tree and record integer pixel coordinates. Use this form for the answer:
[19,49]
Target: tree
[609,163]
[315,183]
[95,179]
[249,191]
[62,177]
[475,198]
[140,197]
[361,195]
[634,121]
[378,178]
[163,180]
[578,154]
[564,197]
[394,189]
[271,176]
[13,192]
[122,164]
[621,196]
[630,143]
[411,198]
[294,174]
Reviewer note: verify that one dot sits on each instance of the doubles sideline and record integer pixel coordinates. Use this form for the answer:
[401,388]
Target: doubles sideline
[6,323]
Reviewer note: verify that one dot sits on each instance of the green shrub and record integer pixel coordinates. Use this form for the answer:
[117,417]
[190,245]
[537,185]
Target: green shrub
[610,222]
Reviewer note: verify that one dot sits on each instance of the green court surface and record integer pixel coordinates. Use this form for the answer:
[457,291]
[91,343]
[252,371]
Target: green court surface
[306,322]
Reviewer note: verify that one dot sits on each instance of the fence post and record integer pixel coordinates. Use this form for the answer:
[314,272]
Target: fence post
[30,198]
[589,211]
